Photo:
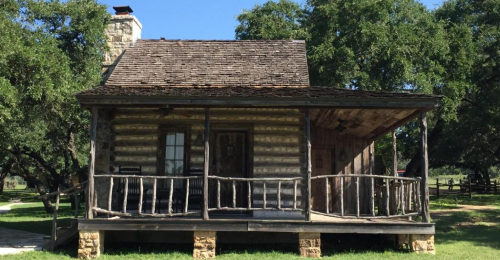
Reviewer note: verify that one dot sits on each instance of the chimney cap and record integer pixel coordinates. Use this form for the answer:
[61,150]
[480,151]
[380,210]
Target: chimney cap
[123,9]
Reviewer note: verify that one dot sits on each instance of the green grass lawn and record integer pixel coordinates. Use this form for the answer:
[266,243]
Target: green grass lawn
[451,201]
[460,235]
[18,194]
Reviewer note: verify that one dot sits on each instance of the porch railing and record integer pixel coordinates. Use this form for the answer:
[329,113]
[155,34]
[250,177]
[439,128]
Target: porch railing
[126,178]
[249,182]
[111,205]
[74,191]
[406,192]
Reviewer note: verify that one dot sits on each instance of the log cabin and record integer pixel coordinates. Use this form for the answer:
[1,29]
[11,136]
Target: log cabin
[229,136]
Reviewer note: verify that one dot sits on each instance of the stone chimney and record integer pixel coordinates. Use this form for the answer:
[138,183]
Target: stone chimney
[123,31]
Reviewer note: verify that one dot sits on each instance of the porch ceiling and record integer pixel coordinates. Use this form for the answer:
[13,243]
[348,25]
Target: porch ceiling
[366,123]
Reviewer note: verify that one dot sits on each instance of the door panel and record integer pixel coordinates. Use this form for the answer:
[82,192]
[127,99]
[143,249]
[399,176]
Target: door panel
[321,165]
[230,160]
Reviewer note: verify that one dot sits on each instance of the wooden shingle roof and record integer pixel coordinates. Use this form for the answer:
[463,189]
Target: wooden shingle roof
[212,63]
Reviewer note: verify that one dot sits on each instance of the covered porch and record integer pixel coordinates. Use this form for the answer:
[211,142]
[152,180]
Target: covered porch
[302,162]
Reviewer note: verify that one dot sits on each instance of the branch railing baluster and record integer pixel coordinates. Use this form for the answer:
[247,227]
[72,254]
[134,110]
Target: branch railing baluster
[266,192]
[409,195]
[127,179]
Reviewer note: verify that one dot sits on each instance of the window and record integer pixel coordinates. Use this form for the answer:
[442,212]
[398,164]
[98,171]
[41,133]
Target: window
[174,153]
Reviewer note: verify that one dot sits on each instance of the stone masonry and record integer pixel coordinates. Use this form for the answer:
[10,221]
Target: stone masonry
[122,31]
[422,244]
[204,244]
[90,244]
[310,244]
[416,243]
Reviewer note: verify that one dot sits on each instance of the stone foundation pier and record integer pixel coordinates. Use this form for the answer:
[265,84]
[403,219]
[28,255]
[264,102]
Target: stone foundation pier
[310,244]
[90,244]
[420,244]
[204,244]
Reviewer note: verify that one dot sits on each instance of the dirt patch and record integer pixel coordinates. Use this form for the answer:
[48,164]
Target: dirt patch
[460,208]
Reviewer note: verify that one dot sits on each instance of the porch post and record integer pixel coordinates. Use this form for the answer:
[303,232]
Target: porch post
[206,164]
[394,200]
[424,168]
[308,165]
[394,155]
[90,186]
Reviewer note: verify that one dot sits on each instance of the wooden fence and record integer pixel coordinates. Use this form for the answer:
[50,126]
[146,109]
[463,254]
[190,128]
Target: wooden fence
[467,188]
[408,204]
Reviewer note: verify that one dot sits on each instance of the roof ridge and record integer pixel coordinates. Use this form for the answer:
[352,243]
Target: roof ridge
[215,40]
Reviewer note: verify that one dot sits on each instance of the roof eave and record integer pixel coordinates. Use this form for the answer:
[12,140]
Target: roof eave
[426,103]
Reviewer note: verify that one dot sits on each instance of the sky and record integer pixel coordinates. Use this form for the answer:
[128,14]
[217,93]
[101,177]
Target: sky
[194,19]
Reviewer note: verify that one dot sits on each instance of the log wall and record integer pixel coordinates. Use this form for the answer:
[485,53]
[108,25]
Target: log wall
[276,136]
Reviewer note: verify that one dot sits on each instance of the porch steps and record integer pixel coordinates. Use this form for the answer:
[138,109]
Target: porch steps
[65,235]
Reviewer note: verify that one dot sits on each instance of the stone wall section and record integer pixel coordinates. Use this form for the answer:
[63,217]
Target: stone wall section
[204,244]
[310,244]
[104,144]
[90,244]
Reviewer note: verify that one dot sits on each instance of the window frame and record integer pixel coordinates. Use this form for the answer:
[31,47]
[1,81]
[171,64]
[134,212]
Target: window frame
[162,147]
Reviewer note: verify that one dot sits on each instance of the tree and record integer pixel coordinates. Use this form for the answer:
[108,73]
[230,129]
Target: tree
[271,21]
[48,51]
[473,29]
[390,45]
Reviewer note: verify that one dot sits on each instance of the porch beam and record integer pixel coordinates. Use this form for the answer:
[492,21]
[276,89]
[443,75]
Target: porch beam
[424,168]
[206,163]
[90,186]
[308,164]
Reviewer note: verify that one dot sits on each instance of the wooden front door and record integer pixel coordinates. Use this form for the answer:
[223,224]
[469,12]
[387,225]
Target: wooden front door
[230,160]
[321,165]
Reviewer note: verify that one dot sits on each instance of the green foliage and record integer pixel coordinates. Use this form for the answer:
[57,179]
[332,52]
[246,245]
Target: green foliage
[446,171]
[473,28]
[48,51]
[392,45]
[271,21]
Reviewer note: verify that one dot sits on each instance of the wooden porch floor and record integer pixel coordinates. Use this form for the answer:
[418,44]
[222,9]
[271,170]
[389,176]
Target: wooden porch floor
[318,223]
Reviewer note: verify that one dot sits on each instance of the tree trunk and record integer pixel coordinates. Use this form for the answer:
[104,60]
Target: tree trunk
[413,167]
[5,170]
[46,202]
[2,182]
[38,185]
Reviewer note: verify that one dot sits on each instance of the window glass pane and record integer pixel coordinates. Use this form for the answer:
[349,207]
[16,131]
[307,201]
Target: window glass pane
[179,167]
[169,167]
[179,140]
[170,152]
[170,138]
[179,153]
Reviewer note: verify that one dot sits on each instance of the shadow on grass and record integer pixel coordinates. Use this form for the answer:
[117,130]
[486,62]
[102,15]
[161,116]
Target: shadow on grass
[33,218]
[332,244]
[148,248]
[22,195]
[481,227]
